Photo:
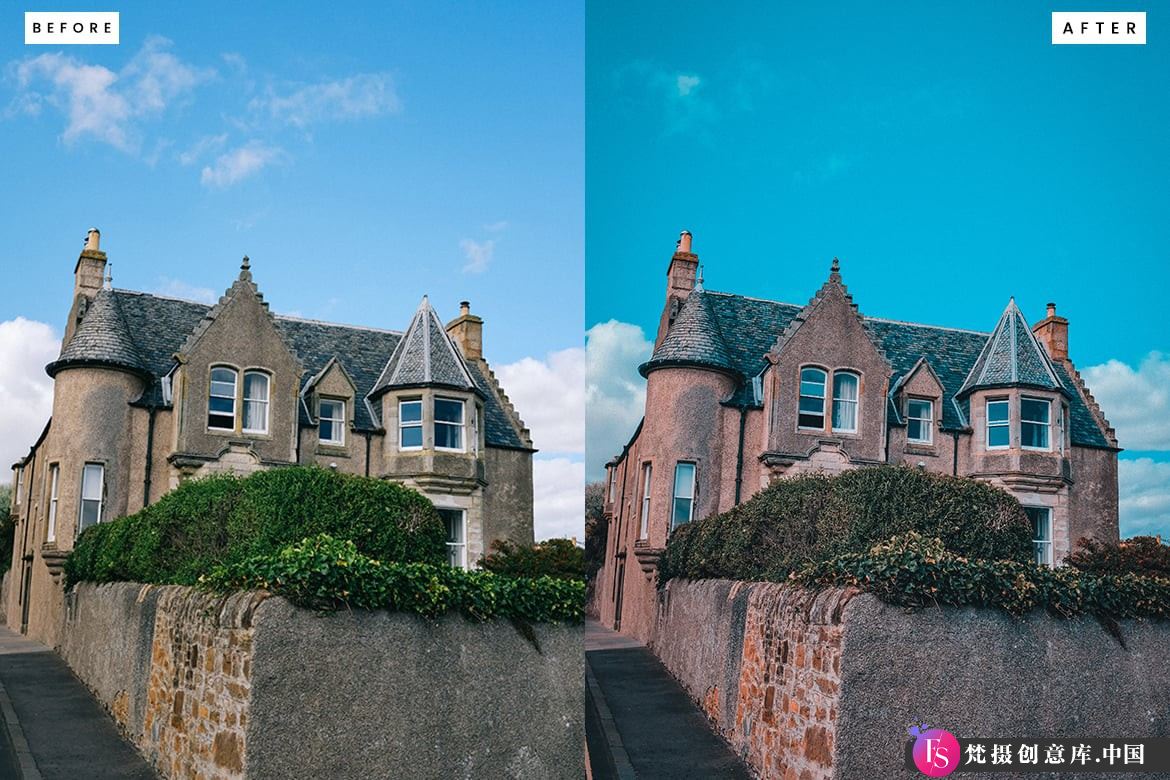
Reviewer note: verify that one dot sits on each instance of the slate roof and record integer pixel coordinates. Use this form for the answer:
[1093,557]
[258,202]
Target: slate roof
[102,339]
[1012,356]
[748,327]
[156,327]
[694,339]
[426,355]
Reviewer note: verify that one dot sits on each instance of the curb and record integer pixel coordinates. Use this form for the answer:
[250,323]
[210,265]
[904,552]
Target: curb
[24,758]
[615,752]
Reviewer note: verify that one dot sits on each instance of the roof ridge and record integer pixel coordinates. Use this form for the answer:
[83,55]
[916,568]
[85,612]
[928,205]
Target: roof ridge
[327,323]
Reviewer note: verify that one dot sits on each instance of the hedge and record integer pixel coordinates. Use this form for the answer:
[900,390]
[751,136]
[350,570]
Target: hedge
[326,573]
[227,519]
[916,571]
[559,558]
[1137,555]
[813,518]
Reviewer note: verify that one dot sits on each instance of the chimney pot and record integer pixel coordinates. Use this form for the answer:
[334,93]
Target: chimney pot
[1051,309]
[93,240]
[684,242]
[464,308]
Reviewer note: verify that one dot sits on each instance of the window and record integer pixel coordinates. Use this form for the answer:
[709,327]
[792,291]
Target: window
[448,424]
[1062,415]
[93,479]
[644,529]
[1041,518]
[684,494]
[331,421]
[612,483]
[19,483]
[455,520]
[812,399]
[998,433]
[1034,419]
[410,425]
[221,402]
[51,532]
[255,402]
[920,421]
[845,402]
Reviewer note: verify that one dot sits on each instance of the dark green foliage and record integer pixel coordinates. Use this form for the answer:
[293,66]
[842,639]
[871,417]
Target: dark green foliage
[226,519]
[812,518]
[916,571]
[1138,555]
[596,529]
[552,558]
[7,529]
[325,573]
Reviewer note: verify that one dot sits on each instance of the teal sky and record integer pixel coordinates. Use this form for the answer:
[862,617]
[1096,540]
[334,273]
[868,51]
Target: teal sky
[949,154]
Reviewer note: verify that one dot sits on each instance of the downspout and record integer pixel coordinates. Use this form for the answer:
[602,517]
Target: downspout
[149,455]
[955,450]
[367,434]
[739,453]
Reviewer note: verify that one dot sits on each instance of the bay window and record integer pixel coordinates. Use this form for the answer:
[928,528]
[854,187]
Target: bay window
[448,424]
[1035,414]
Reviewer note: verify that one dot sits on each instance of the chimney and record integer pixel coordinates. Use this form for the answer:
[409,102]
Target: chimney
[467,332]
[1052,332]
[680,281]
[88,276]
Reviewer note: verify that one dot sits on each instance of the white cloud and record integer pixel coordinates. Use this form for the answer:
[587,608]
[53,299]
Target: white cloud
[686,83]
[177,288]
[204,146]
[1137,403]
[1144,485]
[26,391]
[240,163]
[559,498]
[102,104]
[615,393]
[363,95]
[478,254]
[550,395]
[496,227]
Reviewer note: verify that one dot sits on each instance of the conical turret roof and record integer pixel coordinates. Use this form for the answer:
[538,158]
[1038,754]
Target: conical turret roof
[102,339]
[1012,356]
[693,340]
[426,355]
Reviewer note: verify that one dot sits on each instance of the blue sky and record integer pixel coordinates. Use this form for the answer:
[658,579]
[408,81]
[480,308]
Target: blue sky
[949,155]
[361,158]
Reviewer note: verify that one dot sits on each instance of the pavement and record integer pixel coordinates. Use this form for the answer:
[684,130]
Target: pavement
[51,727]
[639,722]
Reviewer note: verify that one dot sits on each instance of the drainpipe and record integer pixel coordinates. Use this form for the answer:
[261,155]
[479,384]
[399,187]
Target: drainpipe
[367,434]
[739,453]
[149,455]
[955,450]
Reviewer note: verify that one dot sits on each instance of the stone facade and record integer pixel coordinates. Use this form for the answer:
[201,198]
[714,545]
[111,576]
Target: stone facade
[140,404]
[741,392]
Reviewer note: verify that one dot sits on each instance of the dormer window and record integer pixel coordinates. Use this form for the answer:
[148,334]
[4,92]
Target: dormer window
[221,400]
[1035,415]
[255,402]
[410,425]
[920,421]
[845,402]
[331,421]
[448,424]
[812,399]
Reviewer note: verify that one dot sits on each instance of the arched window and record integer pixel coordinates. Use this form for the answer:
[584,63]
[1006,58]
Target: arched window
[255,402]
[221,401]
[845,401]
[812,399]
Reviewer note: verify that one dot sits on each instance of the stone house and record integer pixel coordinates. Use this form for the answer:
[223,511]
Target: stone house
[149,391]
[742,391]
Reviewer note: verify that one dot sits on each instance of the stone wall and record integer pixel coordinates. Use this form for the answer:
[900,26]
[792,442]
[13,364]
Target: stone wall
[249,686]
[820,685]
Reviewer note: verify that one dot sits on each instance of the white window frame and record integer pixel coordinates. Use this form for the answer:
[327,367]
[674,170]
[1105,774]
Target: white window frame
[338,422]
[461,425]
[856,377]
[412,424]
[988,424]
[51,522]
[801,396]
[211,381]
[925,423]
[674,521]
[265,401]
[1045,424]
[1041,545]
[644,520]
[612,483]
[461,547]
[101,499]
[19,485]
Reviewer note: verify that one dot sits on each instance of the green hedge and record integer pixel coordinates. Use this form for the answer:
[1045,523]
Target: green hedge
[1137,555]
[916,571]
[813,518]
[325,573]
[227,519]
[559,558]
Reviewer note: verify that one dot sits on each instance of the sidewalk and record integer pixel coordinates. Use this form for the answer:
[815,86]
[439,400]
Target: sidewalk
[644,724]
[60,732]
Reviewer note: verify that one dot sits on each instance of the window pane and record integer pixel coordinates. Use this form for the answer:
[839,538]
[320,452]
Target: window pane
[921,409]
[223,390]
[998,436]
[684,480]
[453,520]
[811,421]
[410,411]
[91,482]
[224,375]
[997,411]
[1036,411]
[325,430]
[221,405]
[682,512]
[411,436]
[814,405]
[914,429]
[449,436]
[845,415]
[220,421]
[1034,435]
[814,377]
[448,411]
[845,387]
[89,514]
[256,387]
[256,415]
[331,410]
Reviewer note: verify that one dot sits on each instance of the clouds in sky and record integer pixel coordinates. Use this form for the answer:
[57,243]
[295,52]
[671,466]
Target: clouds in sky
[478,255]
[240,163]
[26,391]
[550,396]
[615,393]
[559,498]
[1144,485]
[1136,401]
[355,97]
